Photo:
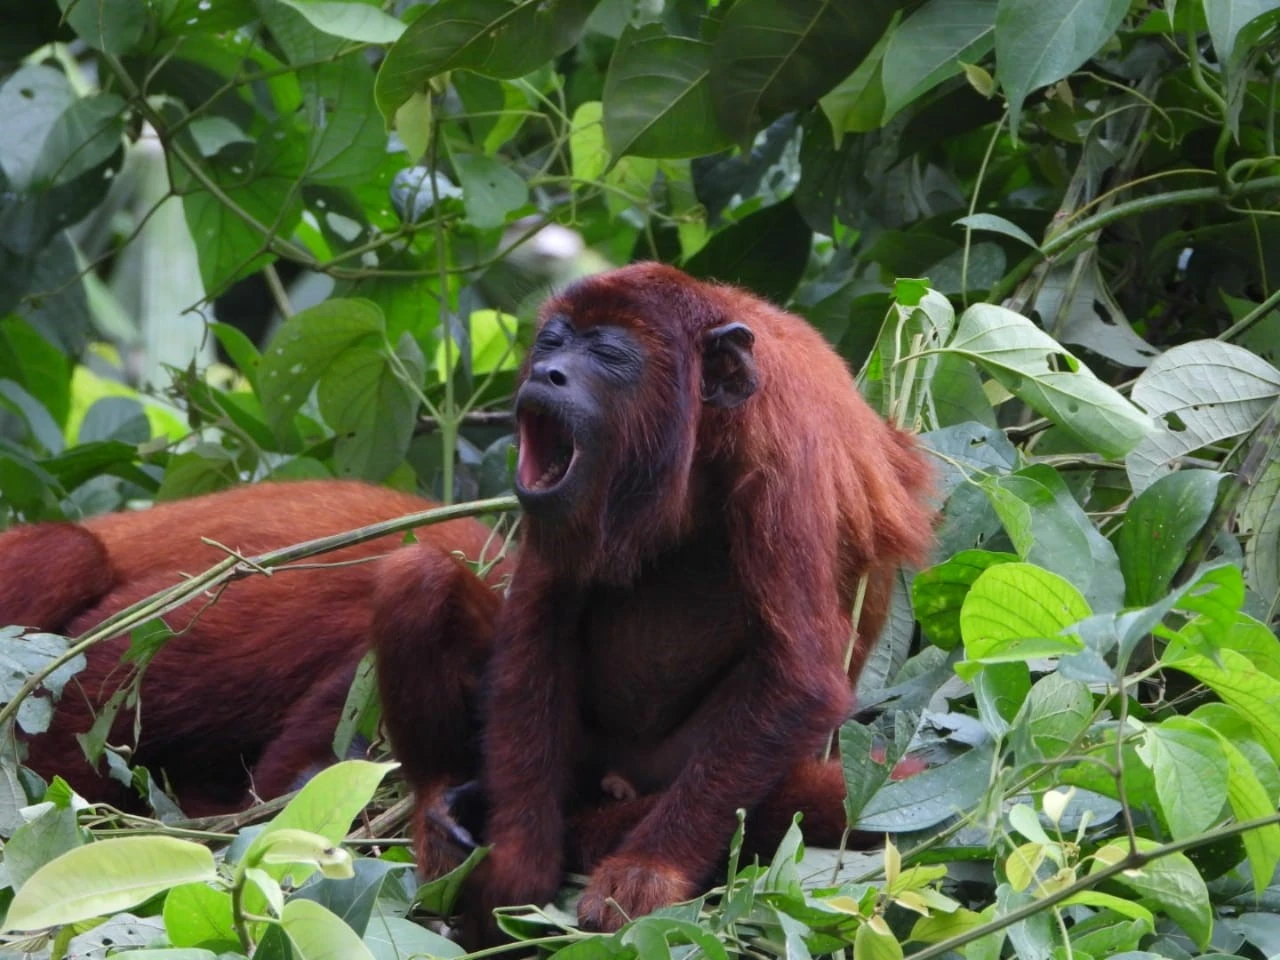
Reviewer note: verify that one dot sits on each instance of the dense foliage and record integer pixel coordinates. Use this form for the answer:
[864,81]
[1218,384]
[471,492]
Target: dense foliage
[246,240]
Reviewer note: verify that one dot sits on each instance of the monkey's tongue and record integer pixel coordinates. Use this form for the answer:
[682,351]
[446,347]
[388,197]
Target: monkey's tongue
[546,450]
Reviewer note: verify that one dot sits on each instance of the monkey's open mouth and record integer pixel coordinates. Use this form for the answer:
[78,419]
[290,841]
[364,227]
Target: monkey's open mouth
[546,451]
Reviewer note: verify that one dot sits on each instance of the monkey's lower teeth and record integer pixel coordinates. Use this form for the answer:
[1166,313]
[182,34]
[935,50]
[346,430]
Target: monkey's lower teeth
[553,473]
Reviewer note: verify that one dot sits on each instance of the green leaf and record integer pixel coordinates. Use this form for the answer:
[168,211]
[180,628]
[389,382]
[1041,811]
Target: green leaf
[1054,715]
[1216,391]
[362,396]
[107,877]
[1235,680]
[306,346]
[491,190]
[40,841]
[928,798]
[84,137]
[498,38]
[938,593]
[1051,530]
[358,21]
[765,252]
[1016,611]
[317,934]
[394,938]
[1038,42]
[1226,18]
[1158,528]
[206,468]
[1249,797]
[327,805]
[769,58]
[230,247]
[346,140]
[1014,351]
[931,45]
[197,914]
[112,26]
[995,224]
[1258,521]
[657,96]
[588,153]
[1190,771]
[1171,881]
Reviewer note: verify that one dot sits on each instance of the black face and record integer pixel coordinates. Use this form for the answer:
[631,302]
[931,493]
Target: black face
[563,408]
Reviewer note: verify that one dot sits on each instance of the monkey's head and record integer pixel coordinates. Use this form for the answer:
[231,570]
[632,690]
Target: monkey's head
[609,407]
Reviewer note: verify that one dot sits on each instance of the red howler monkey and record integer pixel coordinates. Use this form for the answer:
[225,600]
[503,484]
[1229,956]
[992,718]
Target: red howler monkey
[248,693]
[703,488]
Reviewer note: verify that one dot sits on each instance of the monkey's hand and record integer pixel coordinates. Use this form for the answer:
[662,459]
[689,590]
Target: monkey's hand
[623,888]
[511,875]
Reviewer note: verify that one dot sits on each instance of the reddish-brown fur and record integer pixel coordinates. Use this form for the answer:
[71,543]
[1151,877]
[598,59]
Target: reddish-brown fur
[247,695]
[684,625]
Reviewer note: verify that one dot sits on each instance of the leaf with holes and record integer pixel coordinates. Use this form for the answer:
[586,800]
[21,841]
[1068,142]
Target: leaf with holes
[1017,353]
[1207,391]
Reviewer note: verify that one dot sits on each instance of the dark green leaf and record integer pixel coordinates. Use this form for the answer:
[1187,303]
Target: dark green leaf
[112,26]
[305,347]
[657,97]
[770,58]
[498,38]
[938,593]
[766,252]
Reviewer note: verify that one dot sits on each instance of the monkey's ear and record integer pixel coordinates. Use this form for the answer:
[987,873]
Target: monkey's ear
[728,365]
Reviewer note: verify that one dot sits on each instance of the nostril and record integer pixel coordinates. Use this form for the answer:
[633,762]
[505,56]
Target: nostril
[557,377]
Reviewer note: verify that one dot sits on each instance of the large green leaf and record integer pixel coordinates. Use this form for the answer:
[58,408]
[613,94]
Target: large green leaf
[1157,529]
[1038,42]
[770,57]
[1215,391]
[1191,771]
[196,914]
[931,45]
[498,38]
[1226,18]
[107,25]
[1016,611]
[938,593]
[360,21]
[1016,352]
[107,877]
[318,934]
[657,96]
[305,348]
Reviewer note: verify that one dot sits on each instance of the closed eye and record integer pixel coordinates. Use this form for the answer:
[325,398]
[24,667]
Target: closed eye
[610,353]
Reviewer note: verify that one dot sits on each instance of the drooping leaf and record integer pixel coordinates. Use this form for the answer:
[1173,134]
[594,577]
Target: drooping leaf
[1014,351]
[657,97]
[931,45]
[1038,42]
[107,877]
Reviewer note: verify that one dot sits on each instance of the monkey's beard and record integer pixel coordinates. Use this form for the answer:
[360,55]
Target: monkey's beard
[547,451]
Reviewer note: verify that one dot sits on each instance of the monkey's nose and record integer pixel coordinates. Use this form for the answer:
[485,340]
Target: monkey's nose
[547,372]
